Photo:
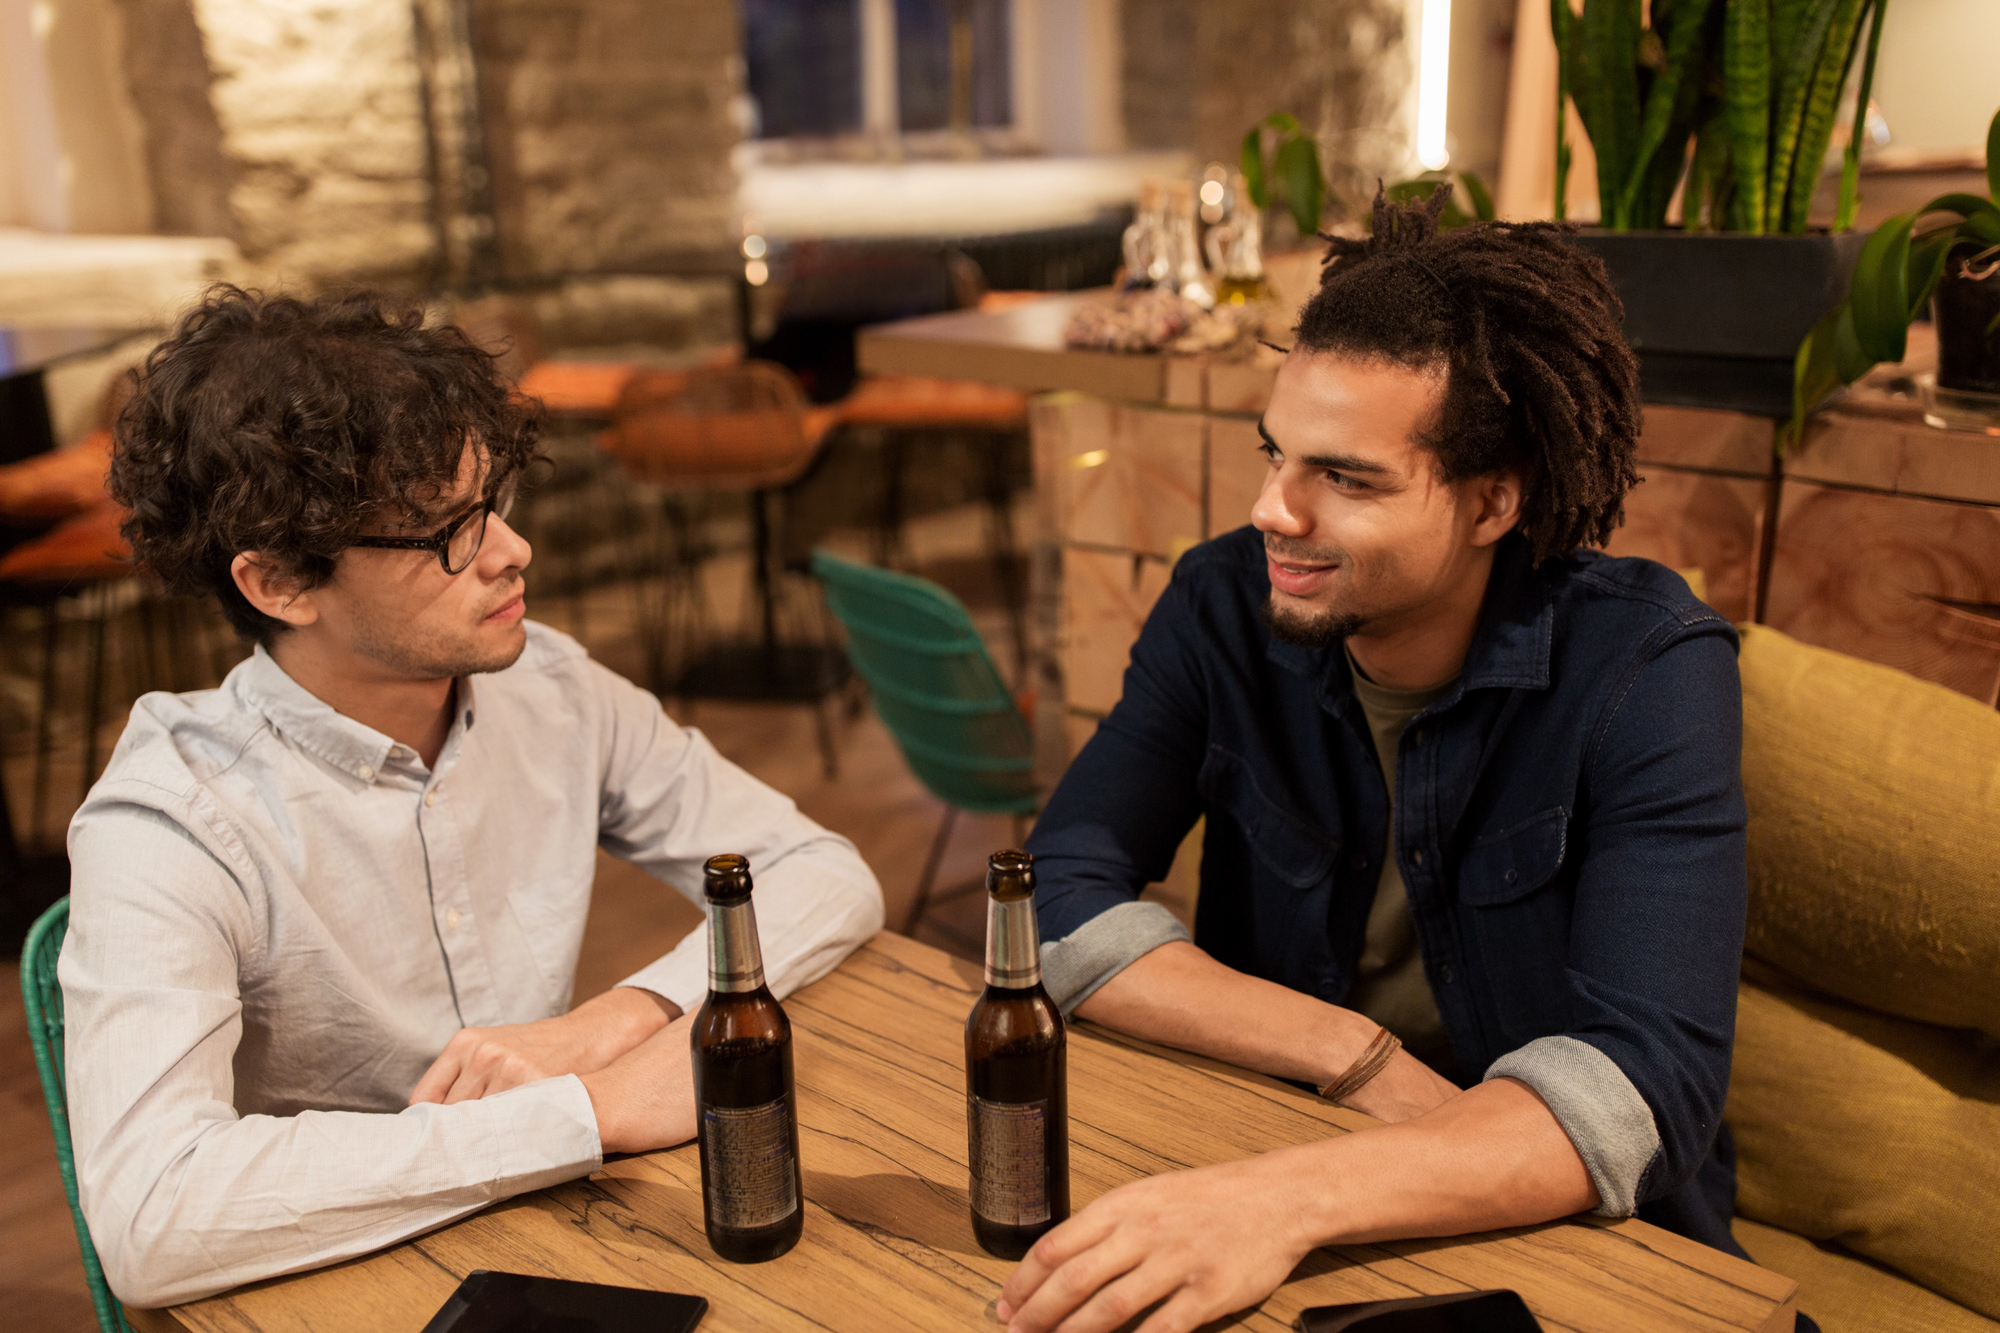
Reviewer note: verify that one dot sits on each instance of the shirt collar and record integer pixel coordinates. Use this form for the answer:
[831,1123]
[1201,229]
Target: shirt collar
[316,727]
[1511,646]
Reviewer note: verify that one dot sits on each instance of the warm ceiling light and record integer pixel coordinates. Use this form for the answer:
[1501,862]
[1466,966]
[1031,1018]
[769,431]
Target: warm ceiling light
[753,247]
[1211,193]
[1433,79]
[756,273]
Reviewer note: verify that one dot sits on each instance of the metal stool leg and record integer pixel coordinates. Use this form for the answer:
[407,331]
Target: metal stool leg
[44,714]
[93,697]
[931,864]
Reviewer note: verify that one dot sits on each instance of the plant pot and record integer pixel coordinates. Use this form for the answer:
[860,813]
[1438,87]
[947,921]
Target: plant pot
[1717,318]
[1967,314]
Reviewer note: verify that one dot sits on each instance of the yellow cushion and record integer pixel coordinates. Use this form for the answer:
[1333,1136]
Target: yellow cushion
[1874,834]
[1849,1295]
[1874,1132]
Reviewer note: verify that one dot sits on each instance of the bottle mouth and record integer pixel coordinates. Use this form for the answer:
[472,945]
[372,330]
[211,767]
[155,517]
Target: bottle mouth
[1010,875]
[726,878]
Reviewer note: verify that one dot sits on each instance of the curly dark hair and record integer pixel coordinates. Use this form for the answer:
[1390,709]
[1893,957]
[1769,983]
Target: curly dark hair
[287,427]
[1539,376]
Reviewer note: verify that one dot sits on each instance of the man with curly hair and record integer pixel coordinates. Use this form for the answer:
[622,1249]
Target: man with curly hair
[325,919]
[1473,859]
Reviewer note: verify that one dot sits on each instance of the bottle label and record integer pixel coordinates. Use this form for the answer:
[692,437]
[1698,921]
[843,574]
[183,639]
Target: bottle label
[1009,1155]
[752,1180]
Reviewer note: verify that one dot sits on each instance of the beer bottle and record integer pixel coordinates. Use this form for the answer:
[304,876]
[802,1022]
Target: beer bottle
[1016,1082]
[746,1117]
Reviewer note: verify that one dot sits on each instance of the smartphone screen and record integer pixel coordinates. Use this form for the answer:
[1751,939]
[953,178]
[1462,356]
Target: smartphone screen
[488,1302]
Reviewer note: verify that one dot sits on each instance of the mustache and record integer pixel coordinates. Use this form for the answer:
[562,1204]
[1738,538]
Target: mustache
[1285,549]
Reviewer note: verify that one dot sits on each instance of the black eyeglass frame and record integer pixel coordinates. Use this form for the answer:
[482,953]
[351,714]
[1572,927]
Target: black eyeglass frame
[439,542]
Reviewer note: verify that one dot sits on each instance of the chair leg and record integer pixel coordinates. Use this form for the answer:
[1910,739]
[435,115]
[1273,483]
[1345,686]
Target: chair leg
[44,722]
[93,689]
[931,864]
[829,757]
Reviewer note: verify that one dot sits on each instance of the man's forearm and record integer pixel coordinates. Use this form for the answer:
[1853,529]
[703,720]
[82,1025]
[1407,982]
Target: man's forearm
[1493,1156]
[1178,996]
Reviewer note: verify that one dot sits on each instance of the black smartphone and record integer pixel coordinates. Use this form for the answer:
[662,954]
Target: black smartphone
[1460,1312]
[488,1302]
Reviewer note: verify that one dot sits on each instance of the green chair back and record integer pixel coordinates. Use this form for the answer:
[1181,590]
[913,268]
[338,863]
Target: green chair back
[935,687]
[45,1032]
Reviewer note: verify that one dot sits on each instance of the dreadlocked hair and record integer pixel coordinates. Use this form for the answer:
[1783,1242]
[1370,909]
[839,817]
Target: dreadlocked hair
[1538,376]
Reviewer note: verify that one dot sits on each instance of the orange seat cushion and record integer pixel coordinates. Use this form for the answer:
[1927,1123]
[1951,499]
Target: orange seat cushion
[916,401]
[83,549]
[58,483]
[716,450]
[577,388]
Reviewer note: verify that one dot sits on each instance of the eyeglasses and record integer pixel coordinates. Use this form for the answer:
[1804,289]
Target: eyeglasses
[457,542]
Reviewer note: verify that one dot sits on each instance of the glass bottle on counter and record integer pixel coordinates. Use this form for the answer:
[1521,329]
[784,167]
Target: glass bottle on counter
[746,1112]
[1235,247]
[1145,241]
[1016,1076]
[1189,276]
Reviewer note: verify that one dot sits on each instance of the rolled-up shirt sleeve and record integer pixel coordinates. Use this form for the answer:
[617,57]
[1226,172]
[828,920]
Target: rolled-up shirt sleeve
[670,801]
[1656,935]
[1114,822]
[186,1197]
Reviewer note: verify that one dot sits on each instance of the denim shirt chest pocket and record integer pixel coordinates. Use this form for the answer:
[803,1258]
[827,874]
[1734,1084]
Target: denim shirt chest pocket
[1518,919]
[1291,863]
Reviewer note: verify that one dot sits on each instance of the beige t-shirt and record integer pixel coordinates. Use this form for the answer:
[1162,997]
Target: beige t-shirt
[1390,986]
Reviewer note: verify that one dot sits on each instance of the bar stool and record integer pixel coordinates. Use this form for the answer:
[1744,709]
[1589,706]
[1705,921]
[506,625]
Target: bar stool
[905,410]
[705,432]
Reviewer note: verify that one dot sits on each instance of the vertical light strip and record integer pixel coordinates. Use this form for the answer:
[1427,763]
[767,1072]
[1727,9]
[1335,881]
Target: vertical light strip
[1433,82]
[880,112]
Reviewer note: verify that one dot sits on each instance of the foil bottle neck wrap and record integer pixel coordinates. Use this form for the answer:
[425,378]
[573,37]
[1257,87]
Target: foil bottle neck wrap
[1013,945]
[735,963]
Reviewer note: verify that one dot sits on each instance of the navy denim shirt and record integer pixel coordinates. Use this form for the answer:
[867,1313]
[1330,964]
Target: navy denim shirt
[1570,824]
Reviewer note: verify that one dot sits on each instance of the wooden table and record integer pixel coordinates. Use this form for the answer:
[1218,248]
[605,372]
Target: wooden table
[887,1242]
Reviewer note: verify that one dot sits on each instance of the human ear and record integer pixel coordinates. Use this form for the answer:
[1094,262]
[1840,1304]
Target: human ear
[1496,499]
[275,595]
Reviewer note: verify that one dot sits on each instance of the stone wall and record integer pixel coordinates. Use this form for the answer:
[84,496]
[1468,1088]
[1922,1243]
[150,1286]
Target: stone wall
[1197,75]
[610,126]
[320,137]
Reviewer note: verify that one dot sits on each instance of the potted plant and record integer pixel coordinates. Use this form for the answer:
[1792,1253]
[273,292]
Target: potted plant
[1955,269]
[1732,103]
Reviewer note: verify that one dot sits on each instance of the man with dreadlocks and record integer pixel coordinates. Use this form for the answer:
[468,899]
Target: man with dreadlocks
[1474,851]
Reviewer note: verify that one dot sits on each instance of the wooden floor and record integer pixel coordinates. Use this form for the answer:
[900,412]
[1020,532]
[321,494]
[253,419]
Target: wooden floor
[874,800]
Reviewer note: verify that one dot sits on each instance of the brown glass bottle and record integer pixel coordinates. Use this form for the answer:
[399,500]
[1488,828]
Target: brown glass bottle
[745,1111]
[1016,1075]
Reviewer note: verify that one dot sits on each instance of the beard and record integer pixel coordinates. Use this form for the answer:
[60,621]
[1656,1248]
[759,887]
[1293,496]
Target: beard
[431,655]
[1309,629]
[1313,628]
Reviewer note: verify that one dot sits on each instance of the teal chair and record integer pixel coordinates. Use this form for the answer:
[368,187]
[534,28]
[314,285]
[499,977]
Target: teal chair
[937,691]
[45,1033]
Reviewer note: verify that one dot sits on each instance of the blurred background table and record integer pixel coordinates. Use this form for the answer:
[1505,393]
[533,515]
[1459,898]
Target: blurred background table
[888,1244]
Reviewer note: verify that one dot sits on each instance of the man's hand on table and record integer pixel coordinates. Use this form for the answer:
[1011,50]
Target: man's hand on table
[479,1062]
[1218,1238]
[1207,1242]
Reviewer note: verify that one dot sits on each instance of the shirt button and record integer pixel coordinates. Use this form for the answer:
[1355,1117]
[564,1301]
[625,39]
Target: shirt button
[452,918]
[431,797]
[1357,862]
[1417,856]
[1444,974]
[364,772]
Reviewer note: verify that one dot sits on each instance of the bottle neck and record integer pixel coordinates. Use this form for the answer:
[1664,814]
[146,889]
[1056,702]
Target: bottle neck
[1013,945]
[735,963]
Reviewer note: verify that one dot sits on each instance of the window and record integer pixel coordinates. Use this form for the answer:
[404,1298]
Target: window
[821,68]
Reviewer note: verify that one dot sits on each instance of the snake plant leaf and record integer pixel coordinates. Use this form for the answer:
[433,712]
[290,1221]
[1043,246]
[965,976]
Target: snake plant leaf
[1482,200]
[1671,101]
[1251,163]
[1879,295]
[1305,189]
[1850,160]
[1746,74]
[1607,97]
[1993,156]
[1822,104]
[1799,49]
[1560,23]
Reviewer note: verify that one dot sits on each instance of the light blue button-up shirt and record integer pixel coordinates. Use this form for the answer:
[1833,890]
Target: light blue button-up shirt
[280,916]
